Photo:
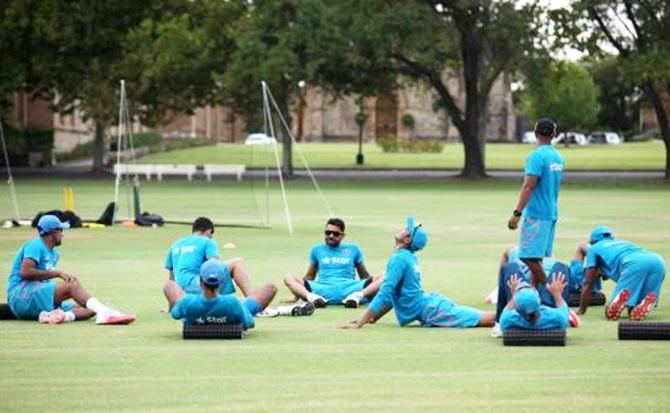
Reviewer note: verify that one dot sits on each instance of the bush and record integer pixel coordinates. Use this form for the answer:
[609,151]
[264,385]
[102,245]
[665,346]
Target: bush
[22,141]
[392,143]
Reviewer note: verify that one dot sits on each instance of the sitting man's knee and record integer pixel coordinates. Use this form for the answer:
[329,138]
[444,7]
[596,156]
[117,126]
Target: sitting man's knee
[288,280]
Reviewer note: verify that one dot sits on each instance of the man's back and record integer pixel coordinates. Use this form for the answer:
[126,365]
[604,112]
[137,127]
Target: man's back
[609,255]
[187,254]
[547,164]
[222,309]
[549,318]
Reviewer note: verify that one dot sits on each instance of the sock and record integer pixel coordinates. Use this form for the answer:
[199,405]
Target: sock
[284,309]
[96,306]
[69,317]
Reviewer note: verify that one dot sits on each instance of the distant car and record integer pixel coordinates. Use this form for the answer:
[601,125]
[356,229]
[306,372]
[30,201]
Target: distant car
[259,139]
[574,138]
[529,138]
[610,138]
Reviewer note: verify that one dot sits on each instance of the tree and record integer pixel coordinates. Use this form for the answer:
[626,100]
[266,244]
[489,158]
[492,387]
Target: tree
[639,32]
[564,92]
[374,44]
[69,52]
[618,96]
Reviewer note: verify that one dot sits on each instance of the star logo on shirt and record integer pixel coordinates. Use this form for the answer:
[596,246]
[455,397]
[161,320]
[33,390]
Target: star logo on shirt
[326,260]
[200,320]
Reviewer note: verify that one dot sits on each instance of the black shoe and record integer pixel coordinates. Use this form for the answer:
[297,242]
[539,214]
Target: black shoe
[304,309]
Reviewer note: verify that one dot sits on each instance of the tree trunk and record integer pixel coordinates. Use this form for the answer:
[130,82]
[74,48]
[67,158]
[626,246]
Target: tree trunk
[287,157]
[474,156]
[662,117]
[99,147]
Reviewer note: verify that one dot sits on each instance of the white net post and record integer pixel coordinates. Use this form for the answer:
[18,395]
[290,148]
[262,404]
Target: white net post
[10,178]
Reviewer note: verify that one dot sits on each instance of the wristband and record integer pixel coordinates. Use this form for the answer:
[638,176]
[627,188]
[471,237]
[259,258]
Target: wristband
[516,213]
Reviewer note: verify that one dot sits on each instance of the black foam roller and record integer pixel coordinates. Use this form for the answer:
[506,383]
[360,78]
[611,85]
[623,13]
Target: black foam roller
[6,312]
[597,298]
[519,337]
[205,331]
[644,330]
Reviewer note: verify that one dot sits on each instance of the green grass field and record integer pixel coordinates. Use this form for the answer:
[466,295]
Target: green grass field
[307,364]
[629,156]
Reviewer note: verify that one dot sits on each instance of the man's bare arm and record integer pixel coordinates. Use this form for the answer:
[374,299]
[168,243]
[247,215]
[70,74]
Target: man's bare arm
[310,274]
[30,272]
[363,273]
[586,290]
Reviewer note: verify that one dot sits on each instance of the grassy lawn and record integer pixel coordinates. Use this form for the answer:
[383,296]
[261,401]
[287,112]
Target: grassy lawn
[306,364]
[629,156]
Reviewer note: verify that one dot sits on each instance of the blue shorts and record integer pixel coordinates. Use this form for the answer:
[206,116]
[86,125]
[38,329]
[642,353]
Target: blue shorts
[641,273]
[578,277]
[30,298]
[536,239]
[335,293]
[442,312]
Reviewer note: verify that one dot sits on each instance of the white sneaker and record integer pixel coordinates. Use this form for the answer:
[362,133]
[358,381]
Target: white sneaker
[317,300]
[268,312]
[113,317]
[353,299]
[496,331]
[492,297]
[56,316]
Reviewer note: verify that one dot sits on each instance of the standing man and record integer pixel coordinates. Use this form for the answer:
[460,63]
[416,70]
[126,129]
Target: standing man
[187,255]
[401,289]
[32,294]
[336,265]
[538,202]
[637,272]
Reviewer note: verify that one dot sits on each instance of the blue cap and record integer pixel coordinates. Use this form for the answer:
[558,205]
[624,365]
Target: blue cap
[213,272]
[527,300]
[600,233]
[48,224]
[418,235]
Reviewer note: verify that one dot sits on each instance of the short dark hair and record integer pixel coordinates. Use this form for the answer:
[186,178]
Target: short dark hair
[203,224]
[337,222]
[546,127]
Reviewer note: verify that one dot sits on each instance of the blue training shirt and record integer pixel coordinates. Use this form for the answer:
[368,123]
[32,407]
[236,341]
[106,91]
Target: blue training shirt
[38,251]
[335,264]
[187,254]
[222,309]
[609,256]
[401,288]
[547,164]
[550,318]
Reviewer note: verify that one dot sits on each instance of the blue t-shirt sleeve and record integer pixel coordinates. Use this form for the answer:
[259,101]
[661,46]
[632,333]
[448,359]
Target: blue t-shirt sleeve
[591,260]
[358,257]
[168,261]
[33,250]
[392,276]
[556,318]
[211,249]
[313,258]
[507,319]
[533,164]
[177,311]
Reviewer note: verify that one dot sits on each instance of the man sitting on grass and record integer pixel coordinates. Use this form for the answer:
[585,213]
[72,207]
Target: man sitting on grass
[210,306]
[335,264]
[525,310]
[637,272]
[401,289]
[32,294]
[187,254]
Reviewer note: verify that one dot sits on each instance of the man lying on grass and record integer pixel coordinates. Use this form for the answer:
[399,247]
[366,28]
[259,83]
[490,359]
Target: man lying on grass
[32,294]
[526,311]
[401,289]
[211,307]
[336,265]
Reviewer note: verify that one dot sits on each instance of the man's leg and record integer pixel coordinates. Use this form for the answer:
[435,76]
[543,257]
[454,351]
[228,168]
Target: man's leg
[371,289]
[240,274]
[172,293]
[296,286]
[105,315]
[366,291]
[487,319]
[263,295]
